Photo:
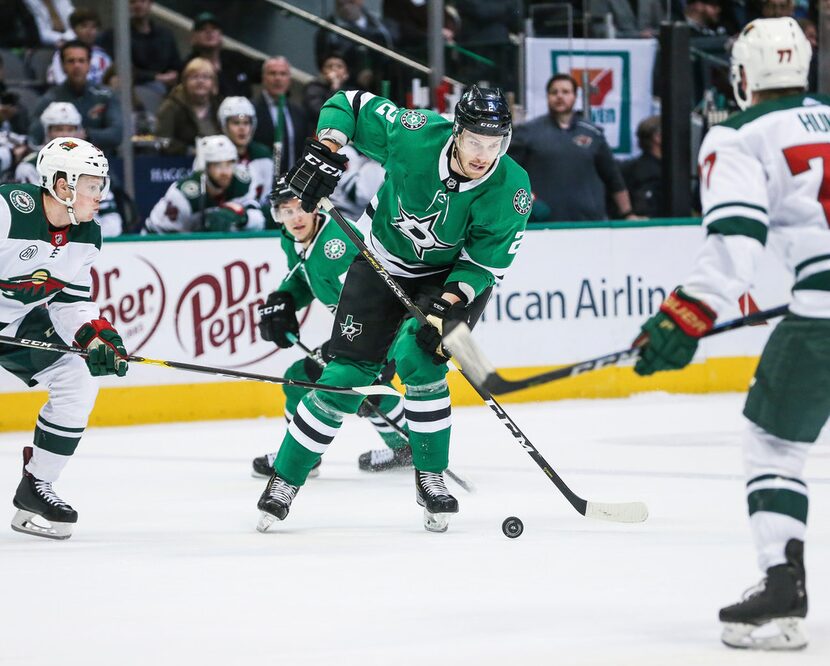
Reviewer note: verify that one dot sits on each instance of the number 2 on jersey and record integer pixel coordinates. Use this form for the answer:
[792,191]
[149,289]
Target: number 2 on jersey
[798,159]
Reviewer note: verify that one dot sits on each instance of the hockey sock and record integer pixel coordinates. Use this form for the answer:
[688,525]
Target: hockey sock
[777,496]
[392,408]
[428,414]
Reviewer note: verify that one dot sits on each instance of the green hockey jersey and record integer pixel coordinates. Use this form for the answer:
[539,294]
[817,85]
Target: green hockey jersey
[425,218]
[42,265]
[319,270]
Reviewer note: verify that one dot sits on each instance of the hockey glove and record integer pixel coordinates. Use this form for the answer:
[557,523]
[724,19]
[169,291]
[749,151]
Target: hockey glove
[277,317]
[225,217]
[668,340]
[316,174]
[105,348]
[439,313]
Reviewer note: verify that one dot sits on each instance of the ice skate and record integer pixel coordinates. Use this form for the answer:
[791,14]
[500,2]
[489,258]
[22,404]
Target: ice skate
[263,467]
[432,494]
[380,460]
[275,501]
[40,511]
[770,615]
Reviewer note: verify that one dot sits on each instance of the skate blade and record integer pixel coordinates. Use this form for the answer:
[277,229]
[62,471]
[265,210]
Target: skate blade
[436,522]
[786,633]
[257,475]
[28,522]
[314,473]
[265,521]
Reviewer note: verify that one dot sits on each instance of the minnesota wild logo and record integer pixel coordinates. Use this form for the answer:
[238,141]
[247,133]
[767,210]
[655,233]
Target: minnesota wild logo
[420,231]
[413,120]
[31,288]
[68,145]
[350,328]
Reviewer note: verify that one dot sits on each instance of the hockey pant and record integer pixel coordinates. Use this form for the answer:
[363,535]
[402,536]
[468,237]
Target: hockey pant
[788,404]
[307,370]
[369,326]
[72,391]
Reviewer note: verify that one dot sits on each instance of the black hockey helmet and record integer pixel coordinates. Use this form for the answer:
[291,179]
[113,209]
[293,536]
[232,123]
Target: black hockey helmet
[484,111]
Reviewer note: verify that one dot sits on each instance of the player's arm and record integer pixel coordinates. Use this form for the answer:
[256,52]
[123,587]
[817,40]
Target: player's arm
[734,196]
[278,316]
[171,214]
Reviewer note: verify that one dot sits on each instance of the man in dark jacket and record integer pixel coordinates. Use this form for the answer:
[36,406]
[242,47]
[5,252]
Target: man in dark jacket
[100,110]
[643,175]
[277,119]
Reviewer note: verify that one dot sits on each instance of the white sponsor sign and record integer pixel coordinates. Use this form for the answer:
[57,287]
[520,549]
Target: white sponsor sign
[618,72]
[571,295]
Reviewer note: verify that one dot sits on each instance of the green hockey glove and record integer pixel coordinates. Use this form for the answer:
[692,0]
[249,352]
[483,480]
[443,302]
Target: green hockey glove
[105,348]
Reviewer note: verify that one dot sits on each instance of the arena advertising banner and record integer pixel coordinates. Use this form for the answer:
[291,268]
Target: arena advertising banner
[618,71]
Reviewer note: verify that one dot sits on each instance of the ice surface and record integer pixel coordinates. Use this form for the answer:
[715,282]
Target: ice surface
[166,567]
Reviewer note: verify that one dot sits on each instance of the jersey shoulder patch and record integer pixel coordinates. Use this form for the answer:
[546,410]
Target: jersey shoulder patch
[412,119]
[190,186]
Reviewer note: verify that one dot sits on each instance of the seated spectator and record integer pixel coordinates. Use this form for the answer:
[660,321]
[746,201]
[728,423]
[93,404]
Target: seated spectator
[235,70]
[278,120]
[52,19]
[643,175]
[650,14]
[62,119]
[622,19]
[703,18]
[155,56]
[334,76]
[86,24]
[100,110]
[215,197]
[367,67]
[238,121]
[569,162]
[190,110]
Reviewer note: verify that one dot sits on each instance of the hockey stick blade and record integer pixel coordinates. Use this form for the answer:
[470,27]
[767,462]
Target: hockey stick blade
[476,365]
[206,369]
[623,512]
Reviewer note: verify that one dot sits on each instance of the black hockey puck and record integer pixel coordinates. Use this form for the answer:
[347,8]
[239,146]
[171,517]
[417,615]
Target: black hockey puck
[512,527]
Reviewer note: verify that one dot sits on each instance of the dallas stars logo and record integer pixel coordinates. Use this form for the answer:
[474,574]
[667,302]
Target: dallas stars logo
[350,328]
[413,120]
[419,231]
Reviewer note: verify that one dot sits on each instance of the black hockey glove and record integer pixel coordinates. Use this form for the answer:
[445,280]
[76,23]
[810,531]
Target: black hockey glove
[277,317]
[439,313]
[316,174]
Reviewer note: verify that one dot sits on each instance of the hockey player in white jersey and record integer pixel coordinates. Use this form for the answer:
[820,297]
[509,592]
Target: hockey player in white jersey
[48,243]
[237,118]
[764,182]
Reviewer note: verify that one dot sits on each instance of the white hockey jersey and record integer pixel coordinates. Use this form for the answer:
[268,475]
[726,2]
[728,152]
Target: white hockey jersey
[40,265]
[765,181]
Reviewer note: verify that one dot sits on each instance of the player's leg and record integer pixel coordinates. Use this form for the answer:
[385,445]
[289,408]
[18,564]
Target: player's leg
[58,430]
[367,319]
[787,405]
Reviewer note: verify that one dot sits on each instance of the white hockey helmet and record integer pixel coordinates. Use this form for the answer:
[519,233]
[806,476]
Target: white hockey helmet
[214,148]
[772,53]
[60,113]
[73,158]
[232,107]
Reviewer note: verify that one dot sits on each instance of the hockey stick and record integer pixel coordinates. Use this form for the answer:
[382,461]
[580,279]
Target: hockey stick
[206,369]
[624,512]
[459,340]
[461,481]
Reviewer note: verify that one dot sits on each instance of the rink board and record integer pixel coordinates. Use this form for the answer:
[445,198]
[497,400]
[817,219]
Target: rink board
[572,294]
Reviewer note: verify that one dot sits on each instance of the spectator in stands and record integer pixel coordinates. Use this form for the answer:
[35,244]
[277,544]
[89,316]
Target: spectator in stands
[99,107]
[703,18]
[277,118]
[155,56]
[235,70]
[13,115]
[52,19]
[18,28]
[237,118]
[650,14]
[777,8]
[334,76]
[86,24]
[190,109]
[643,174]
[62,119]
[215,197]
[13,144]
[623,22]
[486,26]
[367,67]
[569,162]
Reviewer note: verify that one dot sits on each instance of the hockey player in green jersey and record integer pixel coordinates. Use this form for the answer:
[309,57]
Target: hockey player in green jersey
[48,243]
[447,223]
[217,196]
[319,254]
[763,182]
